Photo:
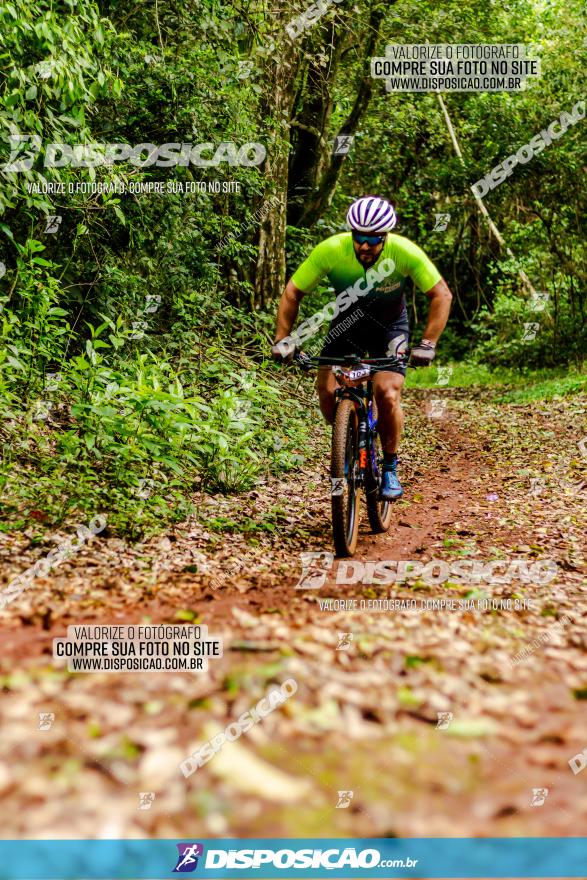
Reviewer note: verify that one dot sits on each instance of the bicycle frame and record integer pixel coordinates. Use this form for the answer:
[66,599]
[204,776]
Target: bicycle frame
[362,397]
[363,400]
[354,468]
[371,434]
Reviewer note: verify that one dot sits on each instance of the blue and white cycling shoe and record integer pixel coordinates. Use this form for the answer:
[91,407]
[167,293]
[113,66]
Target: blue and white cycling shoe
[391,488]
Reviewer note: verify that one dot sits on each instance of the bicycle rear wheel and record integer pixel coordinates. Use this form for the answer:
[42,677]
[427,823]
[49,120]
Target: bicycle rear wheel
[344,471]
[380,513]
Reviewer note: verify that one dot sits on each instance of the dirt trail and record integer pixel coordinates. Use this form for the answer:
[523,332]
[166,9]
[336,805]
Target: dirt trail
[365,718]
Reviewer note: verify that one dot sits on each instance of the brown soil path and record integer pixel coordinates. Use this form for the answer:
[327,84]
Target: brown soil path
[365,718]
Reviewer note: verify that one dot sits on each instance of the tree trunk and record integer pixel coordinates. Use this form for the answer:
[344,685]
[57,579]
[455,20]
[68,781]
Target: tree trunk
[278,87]
[314,151]
[310,125]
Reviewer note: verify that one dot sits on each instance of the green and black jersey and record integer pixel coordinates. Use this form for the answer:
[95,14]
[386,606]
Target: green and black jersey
[335,259]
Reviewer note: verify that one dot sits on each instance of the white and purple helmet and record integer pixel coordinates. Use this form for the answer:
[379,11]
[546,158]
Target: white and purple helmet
[371,215]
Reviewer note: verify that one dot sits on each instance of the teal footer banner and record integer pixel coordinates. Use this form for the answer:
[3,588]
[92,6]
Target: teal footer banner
[279,857]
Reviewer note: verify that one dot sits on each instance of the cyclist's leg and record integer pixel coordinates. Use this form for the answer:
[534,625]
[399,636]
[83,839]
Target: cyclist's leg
[388,384]
[326,385]
[391,341]
[387,387]
[338,343]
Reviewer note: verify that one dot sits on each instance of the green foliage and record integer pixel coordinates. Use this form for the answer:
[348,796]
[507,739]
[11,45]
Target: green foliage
[34,326]
[132,340]
[55,66]
[403,150]
[518,384]
[136,432]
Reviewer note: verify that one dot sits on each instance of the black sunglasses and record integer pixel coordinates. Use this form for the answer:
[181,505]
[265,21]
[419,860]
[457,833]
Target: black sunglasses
[367,239]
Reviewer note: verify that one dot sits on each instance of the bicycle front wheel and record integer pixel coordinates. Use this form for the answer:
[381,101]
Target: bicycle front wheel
[344,472]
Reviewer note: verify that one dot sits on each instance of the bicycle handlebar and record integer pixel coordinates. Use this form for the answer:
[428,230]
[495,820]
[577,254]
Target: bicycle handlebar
[305,362]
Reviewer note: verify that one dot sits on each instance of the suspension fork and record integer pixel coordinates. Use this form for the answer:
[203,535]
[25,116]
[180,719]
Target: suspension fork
[363,416]
[363,441]
[372,430]
[360,399]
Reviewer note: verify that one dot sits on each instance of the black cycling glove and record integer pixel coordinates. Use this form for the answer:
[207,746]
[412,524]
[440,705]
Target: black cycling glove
[423,354]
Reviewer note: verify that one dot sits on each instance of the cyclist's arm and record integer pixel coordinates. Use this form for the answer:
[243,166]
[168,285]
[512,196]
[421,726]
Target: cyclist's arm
[440,300]
[427,277]
[289,306]
[312,270]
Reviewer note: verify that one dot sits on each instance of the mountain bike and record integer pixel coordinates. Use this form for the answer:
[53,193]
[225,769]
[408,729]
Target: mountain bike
[357,456]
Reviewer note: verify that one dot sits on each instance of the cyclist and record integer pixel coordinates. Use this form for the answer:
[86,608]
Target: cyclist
[381,328]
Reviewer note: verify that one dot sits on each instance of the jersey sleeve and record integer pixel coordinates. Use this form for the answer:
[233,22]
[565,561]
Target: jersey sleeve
[418,266]
[317,266]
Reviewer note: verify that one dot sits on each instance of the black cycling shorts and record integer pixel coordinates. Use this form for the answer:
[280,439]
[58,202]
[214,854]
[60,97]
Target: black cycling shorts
[369,337]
